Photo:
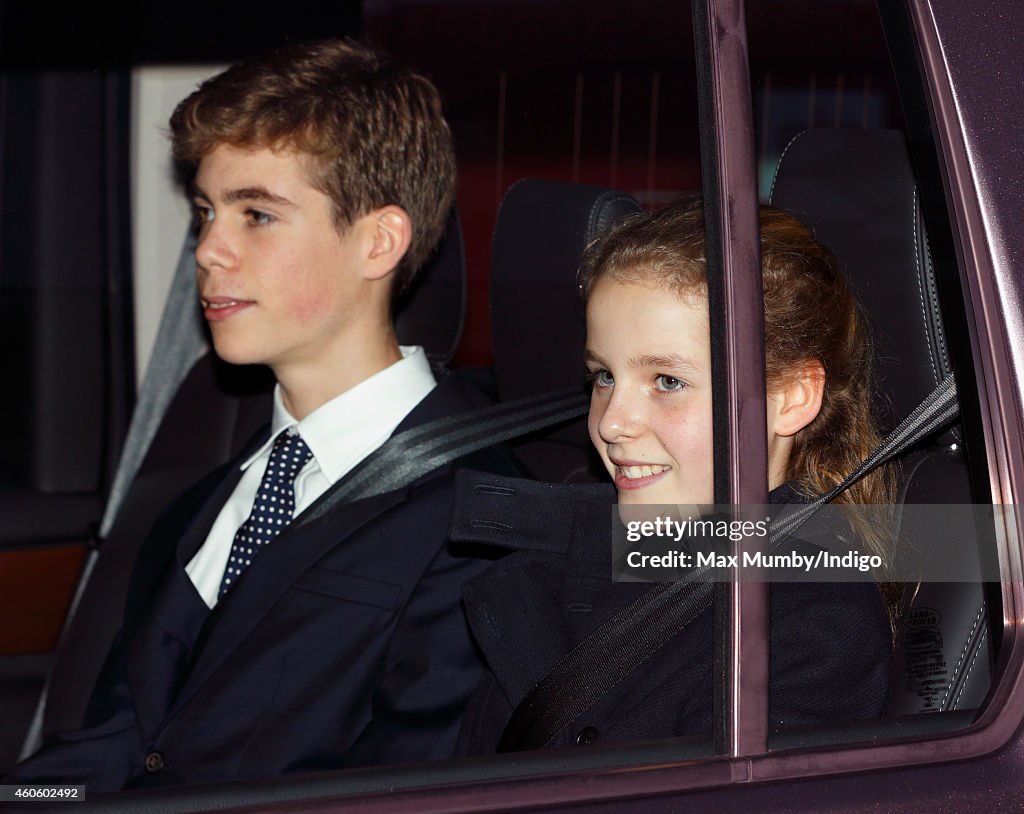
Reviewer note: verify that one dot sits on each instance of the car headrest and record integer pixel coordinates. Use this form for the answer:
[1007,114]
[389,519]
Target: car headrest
[856,190]
[537,322]
[431,311]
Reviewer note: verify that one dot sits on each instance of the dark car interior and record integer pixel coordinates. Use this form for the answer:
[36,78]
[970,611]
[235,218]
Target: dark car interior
[857,186]
[833,179]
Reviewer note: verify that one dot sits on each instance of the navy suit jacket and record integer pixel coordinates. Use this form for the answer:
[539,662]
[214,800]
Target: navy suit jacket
[343,644]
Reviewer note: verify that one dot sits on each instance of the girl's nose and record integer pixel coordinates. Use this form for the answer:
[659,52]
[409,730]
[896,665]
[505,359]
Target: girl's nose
[621,416]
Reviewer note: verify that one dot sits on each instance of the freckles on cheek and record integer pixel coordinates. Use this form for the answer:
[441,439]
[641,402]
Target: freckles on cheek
[300,284]
[692,436]
[306,300]
[306,309]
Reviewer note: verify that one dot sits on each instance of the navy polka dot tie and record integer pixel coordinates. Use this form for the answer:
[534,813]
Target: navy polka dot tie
[273,508]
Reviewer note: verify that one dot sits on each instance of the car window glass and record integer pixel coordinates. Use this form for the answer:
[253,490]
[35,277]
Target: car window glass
[827,104]
[594,93]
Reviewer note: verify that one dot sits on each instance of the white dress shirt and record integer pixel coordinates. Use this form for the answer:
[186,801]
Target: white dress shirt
[340,434]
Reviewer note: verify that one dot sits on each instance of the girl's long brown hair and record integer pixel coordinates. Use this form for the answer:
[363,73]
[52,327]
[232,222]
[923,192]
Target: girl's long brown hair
[810,314]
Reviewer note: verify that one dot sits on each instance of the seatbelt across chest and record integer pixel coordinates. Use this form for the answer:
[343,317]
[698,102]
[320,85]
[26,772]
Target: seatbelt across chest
[411,454]
[403,458]
[608,655]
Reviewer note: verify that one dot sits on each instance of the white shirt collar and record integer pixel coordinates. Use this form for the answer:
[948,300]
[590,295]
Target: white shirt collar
[344,430]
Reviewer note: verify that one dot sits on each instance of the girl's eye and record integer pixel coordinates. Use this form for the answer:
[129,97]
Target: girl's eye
[601,378]
[669,384]
[257,218]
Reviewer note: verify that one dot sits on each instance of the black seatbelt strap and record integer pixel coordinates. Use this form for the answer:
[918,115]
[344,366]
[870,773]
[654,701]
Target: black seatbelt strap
[938,409]
[614,650]
[404,458]
[413,453]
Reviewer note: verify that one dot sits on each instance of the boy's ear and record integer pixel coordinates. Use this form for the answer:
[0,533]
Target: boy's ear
[392,233]
[798,402]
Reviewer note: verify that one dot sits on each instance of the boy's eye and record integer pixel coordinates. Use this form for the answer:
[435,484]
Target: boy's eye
[601,378]
[669,383]
[257,218]
[202,214]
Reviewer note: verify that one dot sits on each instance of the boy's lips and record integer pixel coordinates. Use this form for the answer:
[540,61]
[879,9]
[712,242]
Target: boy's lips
[217,308]
[636,475]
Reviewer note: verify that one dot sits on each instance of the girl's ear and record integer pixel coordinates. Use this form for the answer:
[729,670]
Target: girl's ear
[798,402]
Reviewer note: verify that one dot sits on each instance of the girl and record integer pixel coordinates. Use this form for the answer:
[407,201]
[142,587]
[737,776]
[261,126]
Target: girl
[649,359]
[645,283]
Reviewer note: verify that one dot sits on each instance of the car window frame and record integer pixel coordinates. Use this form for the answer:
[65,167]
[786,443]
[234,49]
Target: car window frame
[465,786]
[746,757]
[736,317]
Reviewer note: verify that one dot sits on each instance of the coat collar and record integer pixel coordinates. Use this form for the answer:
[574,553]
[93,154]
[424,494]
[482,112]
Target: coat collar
[515,514]
[555,586]
[558,570]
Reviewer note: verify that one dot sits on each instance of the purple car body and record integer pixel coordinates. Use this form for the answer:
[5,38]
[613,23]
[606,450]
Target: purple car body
[971,60]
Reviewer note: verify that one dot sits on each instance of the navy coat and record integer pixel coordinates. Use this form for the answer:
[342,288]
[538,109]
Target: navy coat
[343,644]
[830,644]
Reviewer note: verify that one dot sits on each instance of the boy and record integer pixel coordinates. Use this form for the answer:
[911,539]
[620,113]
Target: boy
[321,177]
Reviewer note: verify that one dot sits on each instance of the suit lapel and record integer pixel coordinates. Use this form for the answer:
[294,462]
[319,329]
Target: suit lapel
[294,550]
[290,554]
[160,651]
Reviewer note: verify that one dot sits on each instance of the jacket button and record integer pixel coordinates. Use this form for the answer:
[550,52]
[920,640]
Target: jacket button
[587,736]
[154,762]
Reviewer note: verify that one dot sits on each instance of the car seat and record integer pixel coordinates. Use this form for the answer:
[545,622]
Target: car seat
[856,189]
[537,321]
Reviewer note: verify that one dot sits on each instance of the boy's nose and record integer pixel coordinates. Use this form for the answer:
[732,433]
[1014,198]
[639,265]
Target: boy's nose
[214,249]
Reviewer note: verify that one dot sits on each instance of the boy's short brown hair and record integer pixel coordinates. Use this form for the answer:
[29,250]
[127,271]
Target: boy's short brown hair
[373,132]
